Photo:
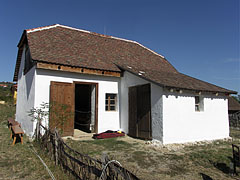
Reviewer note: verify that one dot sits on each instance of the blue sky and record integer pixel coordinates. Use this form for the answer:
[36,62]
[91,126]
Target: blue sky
[199,37]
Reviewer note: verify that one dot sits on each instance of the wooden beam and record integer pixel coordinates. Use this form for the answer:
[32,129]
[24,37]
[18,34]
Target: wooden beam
[77,70]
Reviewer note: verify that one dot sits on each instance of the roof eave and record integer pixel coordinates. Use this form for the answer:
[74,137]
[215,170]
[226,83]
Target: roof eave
[227,92]
[77,69]
[22,40]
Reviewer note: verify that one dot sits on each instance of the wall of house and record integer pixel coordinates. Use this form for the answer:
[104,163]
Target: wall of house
[107,120]
[129,80]
[25,99]
[181,123]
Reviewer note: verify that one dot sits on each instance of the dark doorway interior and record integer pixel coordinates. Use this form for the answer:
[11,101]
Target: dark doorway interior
[83,107]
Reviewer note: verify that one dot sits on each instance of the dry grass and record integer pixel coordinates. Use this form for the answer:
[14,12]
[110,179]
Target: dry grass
[206,160]
[18,161]
[203,161]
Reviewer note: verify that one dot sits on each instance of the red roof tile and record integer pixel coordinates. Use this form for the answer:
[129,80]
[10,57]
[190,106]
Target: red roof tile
[233,104]
[64,45]
[72,47]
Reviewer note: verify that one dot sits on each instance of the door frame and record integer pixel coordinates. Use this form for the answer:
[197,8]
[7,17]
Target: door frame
[96,101]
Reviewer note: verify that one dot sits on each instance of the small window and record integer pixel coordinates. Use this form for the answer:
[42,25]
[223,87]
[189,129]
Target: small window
[199,104]
[111,102]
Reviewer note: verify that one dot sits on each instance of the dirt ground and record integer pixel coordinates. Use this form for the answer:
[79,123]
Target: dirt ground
[151,160]
[148,160]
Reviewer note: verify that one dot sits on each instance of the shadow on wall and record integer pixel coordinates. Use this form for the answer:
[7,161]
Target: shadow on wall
[29,82]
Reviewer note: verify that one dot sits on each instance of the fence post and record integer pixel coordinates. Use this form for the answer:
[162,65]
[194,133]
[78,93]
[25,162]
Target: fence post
[104,160]
[37,131]
[56,146]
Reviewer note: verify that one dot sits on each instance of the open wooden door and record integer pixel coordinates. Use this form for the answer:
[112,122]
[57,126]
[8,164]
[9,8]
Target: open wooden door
[62,107]
[140,111]
[132,111]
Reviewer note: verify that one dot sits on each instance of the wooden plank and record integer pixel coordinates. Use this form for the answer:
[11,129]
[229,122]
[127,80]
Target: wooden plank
[17,129]
[77,69]
[140,124]
[236,157]
[10,120]
[144,111]
[132,111]
[62,102]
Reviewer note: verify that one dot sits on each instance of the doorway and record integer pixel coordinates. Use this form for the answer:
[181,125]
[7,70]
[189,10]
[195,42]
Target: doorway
[139,121]
[80,102]
[85,118]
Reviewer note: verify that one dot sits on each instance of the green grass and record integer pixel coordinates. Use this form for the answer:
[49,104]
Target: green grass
[6,111]
[18,161]
[6,95]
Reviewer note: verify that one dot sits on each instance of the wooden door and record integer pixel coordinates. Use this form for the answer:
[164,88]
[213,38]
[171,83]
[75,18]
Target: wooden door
[144,111]
[140,111]
[62,107]
[132,111]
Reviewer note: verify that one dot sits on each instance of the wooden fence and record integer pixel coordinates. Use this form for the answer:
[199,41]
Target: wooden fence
[234,119]
[81,166]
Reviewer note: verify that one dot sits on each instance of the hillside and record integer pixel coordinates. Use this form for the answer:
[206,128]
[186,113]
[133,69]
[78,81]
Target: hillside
[5,92]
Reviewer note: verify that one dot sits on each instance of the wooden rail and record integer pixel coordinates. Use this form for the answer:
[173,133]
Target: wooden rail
[236,157]
[234,119]
[81,166]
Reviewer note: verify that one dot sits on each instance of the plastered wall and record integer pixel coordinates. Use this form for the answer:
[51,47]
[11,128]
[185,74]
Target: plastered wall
[107,120]
[25,99]
[181,123]
[129,80]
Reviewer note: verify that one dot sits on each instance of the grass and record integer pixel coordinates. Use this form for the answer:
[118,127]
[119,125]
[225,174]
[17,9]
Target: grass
[206,160]
[5,94]
[18,161]
[203,161]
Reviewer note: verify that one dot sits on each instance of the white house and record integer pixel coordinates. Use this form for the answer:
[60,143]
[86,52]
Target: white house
[111,83]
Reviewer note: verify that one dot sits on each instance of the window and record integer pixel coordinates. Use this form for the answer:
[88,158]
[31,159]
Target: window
[198,103]
[111,102]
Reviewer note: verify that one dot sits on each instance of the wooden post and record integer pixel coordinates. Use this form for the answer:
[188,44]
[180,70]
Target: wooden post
[137,129]
[37,131]
[104,160]
[56,146]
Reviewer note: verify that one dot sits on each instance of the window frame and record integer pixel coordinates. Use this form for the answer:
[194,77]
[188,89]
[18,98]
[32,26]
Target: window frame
[108,103]
[199,104]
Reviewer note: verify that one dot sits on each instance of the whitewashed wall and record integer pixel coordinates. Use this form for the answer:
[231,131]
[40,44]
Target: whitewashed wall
[107,120]
[181,123]
[174,119]
[129,80]
[26,95]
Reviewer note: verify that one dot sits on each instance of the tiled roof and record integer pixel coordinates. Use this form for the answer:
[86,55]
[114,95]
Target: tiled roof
[233,104]
[67,46]
[175,80]
[64,45]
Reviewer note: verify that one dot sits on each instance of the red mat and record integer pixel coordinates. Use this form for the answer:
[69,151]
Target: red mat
[108,134]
